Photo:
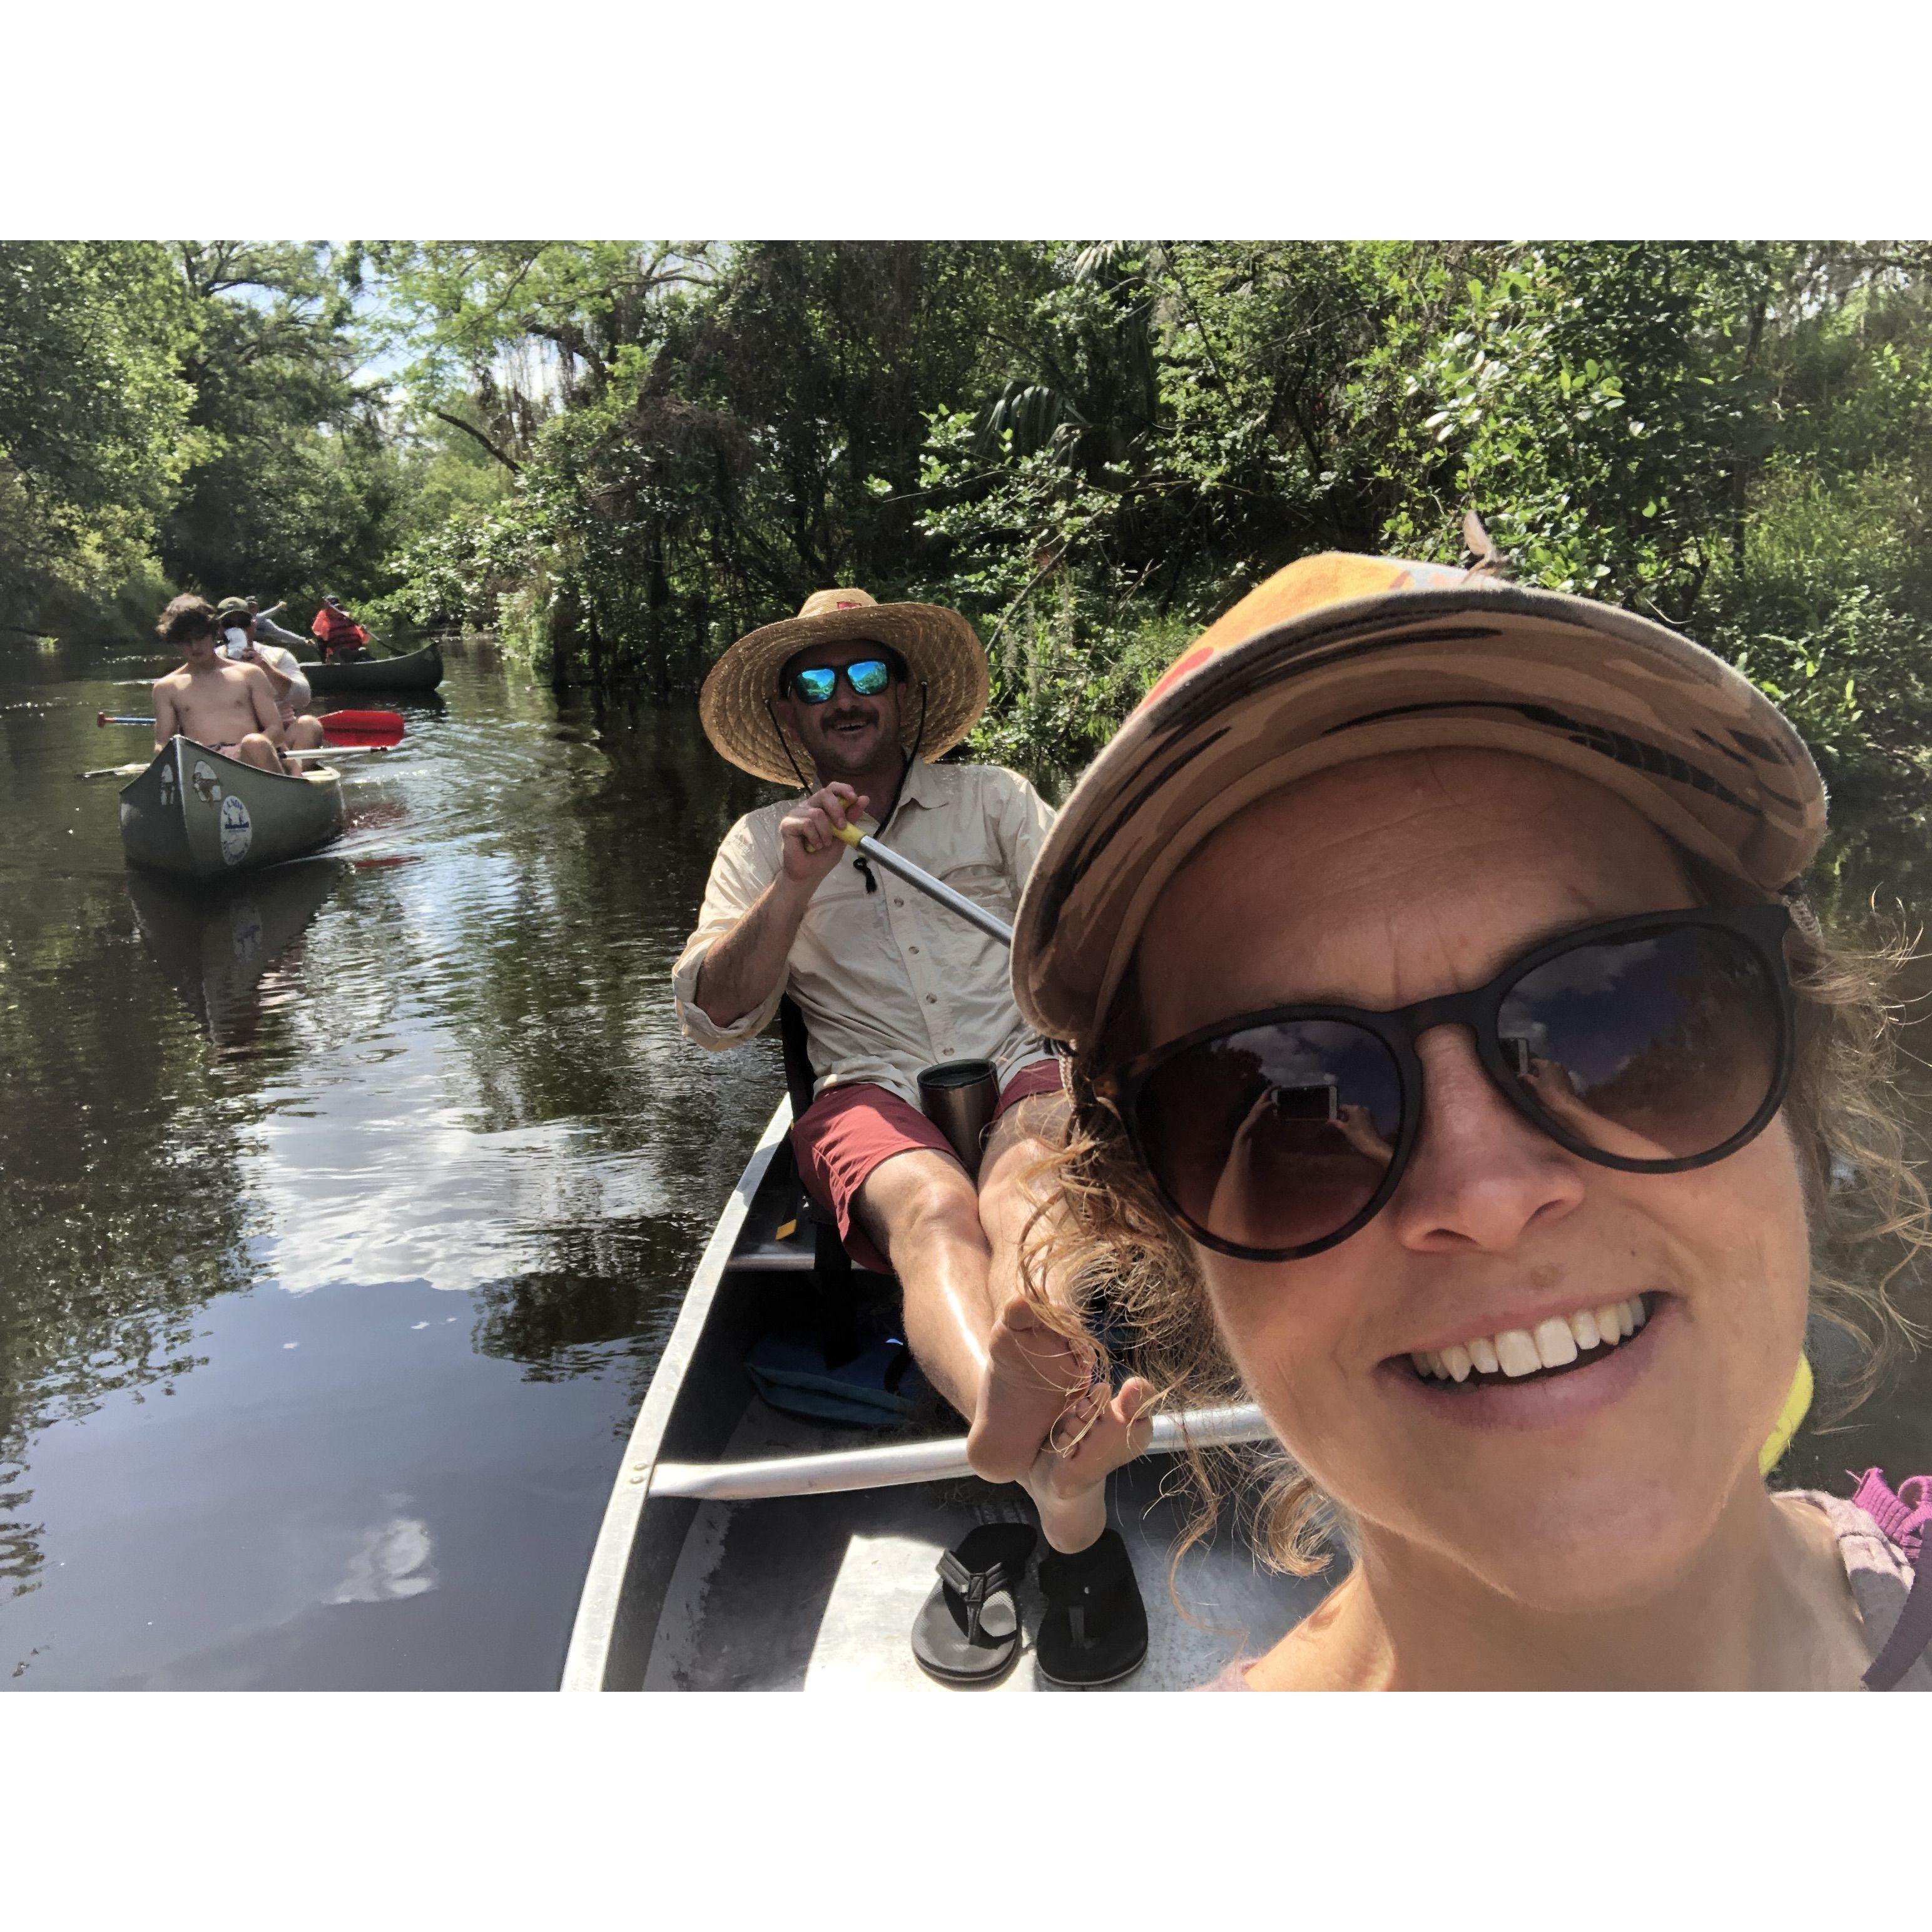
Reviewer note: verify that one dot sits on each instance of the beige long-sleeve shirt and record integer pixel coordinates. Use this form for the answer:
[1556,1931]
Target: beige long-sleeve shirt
[889,982]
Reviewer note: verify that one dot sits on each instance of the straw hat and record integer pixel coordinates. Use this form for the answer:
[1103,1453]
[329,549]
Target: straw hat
[946,668]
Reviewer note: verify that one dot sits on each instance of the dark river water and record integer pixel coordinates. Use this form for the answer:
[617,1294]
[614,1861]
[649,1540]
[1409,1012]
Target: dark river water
[342,1221]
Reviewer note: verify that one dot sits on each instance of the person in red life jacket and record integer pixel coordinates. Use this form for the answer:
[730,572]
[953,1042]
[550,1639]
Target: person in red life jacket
[342,639]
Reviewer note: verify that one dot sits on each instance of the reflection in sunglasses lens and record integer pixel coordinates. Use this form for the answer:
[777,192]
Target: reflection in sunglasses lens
[1275,1137]
[1658,1047]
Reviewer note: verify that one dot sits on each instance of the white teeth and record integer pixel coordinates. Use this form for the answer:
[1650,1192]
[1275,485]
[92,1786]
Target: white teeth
[1515,1353]
[1555,1346]
[1557,1342]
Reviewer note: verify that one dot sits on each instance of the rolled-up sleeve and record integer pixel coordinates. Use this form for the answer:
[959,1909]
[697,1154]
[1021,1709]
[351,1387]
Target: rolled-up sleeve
[739,874]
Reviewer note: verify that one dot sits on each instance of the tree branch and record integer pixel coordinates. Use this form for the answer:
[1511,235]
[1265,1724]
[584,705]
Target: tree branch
[509,463]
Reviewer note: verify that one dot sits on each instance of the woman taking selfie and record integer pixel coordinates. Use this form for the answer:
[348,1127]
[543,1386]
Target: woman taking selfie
[1459,1076]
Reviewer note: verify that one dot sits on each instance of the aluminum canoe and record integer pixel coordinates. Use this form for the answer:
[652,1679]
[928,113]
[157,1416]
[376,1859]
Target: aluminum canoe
[418,670]
[197,815]
[819,1592]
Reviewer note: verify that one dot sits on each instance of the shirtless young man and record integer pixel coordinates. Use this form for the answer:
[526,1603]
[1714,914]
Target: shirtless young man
[229,707]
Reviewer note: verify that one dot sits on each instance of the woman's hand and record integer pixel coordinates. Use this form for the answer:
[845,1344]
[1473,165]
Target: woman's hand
[810,831]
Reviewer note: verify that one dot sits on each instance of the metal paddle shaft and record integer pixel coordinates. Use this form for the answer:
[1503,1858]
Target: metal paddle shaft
[973,914]
[375,730]
[898,1463]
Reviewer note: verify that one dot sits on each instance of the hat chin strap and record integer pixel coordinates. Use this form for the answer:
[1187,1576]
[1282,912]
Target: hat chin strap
[785,745]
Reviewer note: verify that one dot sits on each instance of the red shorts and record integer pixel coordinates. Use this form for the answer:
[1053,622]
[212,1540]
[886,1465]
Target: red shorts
[848,1131]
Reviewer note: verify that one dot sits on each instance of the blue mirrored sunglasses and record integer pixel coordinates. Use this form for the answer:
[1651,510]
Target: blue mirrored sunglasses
[868,678]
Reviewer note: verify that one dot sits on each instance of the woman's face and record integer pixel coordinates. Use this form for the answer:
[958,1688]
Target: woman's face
[1392,880]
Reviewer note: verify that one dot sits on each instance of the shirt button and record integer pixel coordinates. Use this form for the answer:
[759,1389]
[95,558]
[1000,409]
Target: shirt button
[932,999]
[912,949]
[898,902]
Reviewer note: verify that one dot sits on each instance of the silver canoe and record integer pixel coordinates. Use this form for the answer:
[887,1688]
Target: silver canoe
[198,815]
[819,1592]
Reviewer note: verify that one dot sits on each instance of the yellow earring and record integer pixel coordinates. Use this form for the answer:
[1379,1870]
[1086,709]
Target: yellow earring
[1797,1404]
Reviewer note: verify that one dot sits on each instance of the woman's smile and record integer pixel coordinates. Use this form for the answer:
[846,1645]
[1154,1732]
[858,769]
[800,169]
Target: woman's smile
[1559,1369]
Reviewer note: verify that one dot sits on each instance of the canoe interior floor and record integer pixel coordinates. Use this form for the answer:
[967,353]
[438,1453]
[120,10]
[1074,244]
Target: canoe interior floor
[819,1593]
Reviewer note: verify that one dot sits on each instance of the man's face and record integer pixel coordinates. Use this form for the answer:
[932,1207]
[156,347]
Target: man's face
[200,649]
[848,734]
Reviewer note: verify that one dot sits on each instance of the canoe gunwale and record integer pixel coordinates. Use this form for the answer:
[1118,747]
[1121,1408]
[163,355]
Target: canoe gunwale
[588,1661]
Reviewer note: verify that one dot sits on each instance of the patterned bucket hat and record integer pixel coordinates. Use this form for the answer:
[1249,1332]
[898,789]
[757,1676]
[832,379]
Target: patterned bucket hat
[947,667]
[1338,658]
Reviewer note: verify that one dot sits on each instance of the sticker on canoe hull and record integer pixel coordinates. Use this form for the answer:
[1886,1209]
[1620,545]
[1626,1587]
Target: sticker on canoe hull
[207,782]
[237,830]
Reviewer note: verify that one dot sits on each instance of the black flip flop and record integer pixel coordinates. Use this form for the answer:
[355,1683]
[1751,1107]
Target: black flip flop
[967,1631]
[1095,1630]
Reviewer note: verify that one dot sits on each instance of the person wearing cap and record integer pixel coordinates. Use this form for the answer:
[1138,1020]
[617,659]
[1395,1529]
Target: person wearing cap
[1460,1074]
[854,702]
[281,667]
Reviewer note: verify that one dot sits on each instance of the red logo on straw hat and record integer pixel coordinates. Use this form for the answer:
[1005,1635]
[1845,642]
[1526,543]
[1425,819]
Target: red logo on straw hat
[845,604]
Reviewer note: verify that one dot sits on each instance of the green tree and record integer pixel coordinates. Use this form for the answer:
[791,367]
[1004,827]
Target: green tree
[296,490]
[94,421]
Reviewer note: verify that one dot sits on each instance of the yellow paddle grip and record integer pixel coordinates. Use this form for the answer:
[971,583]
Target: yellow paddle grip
[850,833]
[1796,1405]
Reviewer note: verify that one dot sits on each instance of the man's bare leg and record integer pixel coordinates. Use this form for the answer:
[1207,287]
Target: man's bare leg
[1031,1424]
[304,734]
[954,1249]
[255,749]
[922,1214]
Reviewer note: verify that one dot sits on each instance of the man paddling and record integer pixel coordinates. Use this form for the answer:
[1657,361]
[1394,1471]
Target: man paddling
[863,697]
[342,639]
[283,669]
[229,707]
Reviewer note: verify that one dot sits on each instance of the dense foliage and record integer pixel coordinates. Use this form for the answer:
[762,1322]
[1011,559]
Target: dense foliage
[620,456]
[190,416]
[1092,448]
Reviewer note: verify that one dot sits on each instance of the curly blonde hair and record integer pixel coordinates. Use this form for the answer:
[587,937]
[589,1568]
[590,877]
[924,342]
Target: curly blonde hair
[1120,1266]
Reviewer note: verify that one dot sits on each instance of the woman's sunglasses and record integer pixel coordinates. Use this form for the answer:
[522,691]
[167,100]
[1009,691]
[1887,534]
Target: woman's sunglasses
[1652,1045]
[868,678]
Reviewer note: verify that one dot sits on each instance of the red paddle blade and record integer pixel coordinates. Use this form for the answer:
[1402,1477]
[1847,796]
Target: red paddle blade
[362,727]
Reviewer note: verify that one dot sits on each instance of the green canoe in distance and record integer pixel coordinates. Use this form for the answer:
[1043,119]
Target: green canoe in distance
[196,814]
[419,671]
